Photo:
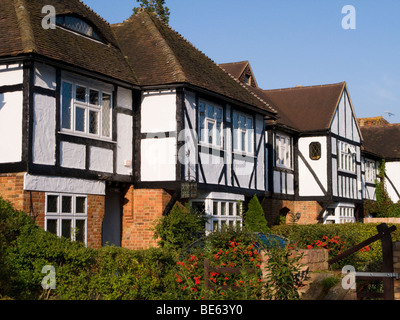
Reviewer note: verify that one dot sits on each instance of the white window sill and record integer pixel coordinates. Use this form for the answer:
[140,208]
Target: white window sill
[75,134]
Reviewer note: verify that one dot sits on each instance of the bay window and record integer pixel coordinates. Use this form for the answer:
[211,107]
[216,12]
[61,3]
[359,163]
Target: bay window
[370,171]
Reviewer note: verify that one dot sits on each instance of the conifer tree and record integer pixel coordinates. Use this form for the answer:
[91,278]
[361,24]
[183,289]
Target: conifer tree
[156,6]
[254,218]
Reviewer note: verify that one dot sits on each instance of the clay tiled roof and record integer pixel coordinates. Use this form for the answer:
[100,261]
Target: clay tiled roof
[383,140]
[160,56]
[23,21]
[235,68]
[306,109]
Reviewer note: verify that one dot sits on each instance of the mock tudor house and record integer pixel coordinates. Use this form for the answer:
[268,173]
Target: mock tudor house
[314,152]
[196,125]
[102,127]
[381,141]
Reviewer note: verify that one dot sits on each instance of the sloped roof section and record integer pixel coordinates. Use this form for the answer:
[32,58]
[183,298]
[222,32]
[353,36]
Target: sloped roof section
[306,109]
[382,140]
[23,21]
[235,68]
[159,56]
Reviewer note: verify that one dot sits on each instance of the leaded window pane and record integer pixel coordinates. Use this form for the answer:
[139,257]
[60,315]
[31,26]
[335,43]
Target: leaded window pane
[93,122]
[66,89]
[80,118]
[80,205]
[52,225]
[106,115]
[52,204]
[66,204]
[94,97]
[66,228]
[80,230]
[80,94]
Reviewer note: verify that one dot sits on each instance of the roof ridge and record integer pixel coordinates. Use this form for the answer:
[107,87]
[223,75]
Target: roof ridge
[180,74]
[25,26]
[306,87]
[216,64]
[94,12]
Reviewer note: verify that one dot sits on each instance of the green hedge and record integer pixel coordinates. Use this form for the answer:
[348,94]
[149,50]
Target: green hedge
[349,234]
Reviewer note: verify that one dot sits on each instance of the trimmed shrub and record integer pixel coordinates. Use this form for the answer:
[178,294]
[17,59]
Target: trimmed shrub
[254,218]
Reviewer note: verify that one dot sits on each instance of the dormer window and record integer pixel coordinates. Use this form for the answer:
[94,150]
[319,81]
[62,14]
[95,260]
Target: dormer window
[78,25]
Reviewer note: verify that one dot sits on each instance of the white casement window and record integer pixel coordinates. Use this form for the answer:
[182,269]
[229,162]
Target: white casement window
[210,124]
[85,110]
[224,214]
[283,151]
[243,133]
[66,216]
[342,213]
[370,171]
[346,157]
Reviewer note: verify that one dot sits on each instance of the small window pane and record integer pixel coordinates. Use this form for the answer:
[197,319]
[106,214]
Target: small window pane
[218,133]
[94,97]
[80,205]
[218,112]
[52,204]
[93,122]
[106,115]
[66,89]
[66,229]
[214,225]
[80,94]
[80,230]
[215,208]
[243,140]
[210,112]
[315,151]
[52,226]
[210,127]
[231,209]
[80,119]
[66,204]
[223,208]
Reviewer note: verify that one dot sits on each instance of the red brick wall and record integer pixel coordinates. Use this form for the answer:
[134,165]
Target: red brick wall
[33,203]
[142,208]
[309,210]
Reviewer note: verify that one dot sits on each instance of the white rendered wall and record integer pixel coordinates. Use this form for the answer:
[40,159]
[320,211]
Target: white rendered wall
[393,172]
[308,186]
[188,153]
[11,74]
[72,155]
[158,112]
[63,185]
[11,127]
[124,98]
[124,144]
[158,159]
[45,76]
[101,159]
[44,126]
[261,161]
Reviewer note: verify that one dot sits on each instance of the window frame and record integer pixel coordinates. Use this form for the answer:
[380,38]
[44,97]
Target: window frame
[218,219]
[238,130]
[205,120]
[73,216]
[88,107]
[346,160]
[287,149]
[370,171]
[312,147]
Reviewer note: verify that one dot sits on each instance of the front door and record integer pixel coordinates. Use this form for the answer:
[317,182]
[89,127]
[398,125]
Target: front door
[112,218]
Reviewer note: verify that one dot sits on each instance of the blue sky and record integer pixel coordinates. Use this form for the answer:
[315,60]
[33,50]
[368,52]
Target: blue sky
[295,42]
